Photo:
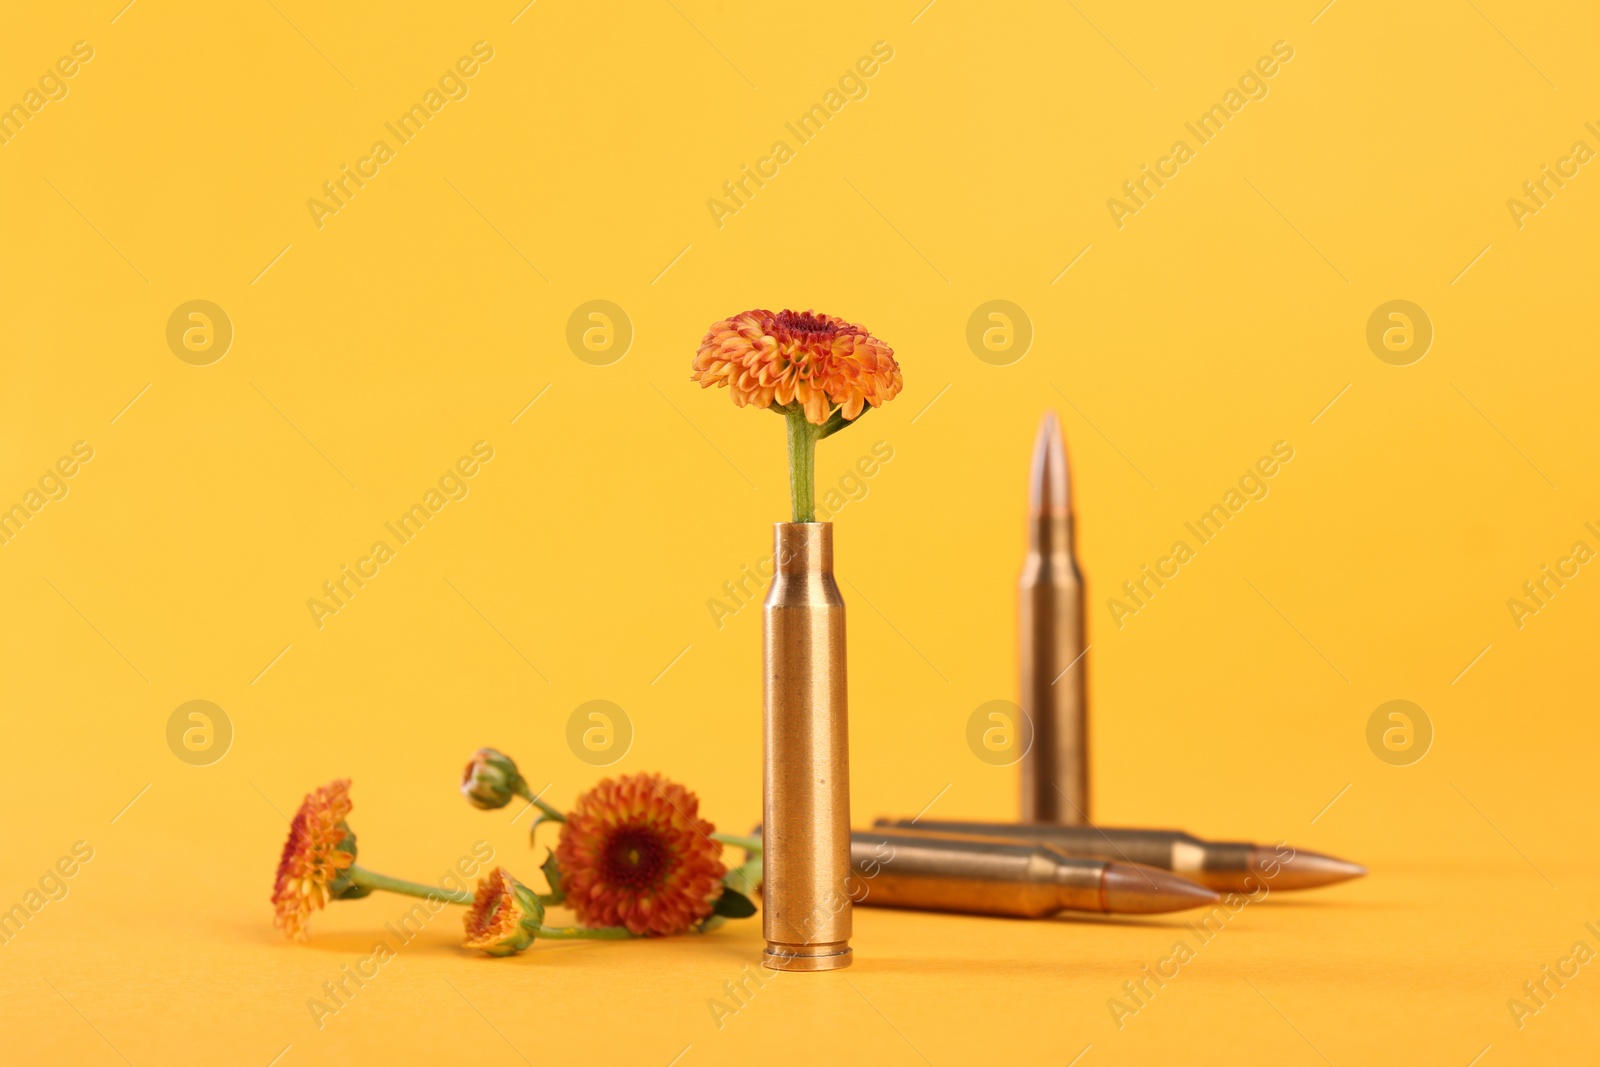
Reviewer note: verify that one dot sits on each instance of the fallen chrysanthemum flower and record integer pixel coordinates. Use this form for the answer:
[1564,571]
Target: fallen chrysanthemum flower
[506,917]
[319,864]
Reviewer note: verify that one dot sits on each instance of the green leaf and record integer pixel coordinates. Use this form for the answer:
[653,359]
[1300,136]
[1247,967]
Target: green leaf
[552,874]
[837,422]
[538,821]
[733,904]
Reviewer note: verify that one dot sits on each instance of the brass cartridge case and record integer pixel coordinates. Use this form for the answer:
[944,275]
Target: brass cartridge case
[1055,769]
[1228,866]
[906,868]
[806,780]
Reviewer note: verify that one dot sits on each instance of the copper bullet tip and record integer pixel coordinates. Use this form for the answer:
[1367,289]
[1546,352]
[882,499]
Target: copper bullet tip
[1306,870]
[1049,489]
[1130,888]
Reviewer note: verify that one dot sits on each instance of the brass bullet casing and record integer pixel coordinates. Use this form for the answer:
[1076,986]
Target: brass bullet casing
[806,778]
[1229,866]
[1055,769]
[909,868]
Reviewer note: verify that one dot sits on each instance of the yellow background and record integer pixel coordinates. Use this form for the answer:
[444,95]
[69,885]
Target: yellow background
[426,315]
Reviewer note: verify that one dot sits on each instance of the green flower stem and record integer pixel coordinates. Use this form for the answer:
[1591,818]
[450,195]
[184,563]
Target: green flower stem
[584,933]
[549,811]
[373,880]
[749,844]
[803,437]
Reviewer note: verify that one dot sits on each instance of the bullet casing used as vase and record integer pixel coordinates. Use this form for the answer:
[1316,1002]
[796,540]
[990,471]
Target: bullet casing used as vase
[806,778]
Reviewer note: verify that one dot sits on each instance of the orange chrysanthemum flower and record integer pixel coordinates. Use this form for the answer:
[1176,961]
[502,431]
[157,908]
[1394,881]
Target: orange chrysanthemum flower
[821,362]
[321,847]
[505,915]
[635,853]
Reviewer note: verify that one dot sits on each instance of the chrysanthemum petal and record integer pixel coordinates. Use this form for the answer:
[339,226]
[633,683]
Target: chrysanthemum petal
[312,858]
[820,360]
[635,853]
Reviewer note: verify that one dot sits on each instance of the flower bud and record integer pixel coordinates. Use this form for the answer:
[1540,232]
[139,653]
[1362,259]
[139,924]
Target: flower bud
[491,779]
[505,915]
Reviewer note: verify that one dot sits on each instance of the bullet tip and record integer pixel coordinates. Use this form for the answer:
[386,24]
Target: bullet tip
[1132,889]
[1049,490]
[1306,870]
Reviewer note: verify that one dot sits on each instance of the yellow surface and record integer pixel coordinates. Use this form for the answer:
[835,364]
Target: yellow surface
[370,352]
